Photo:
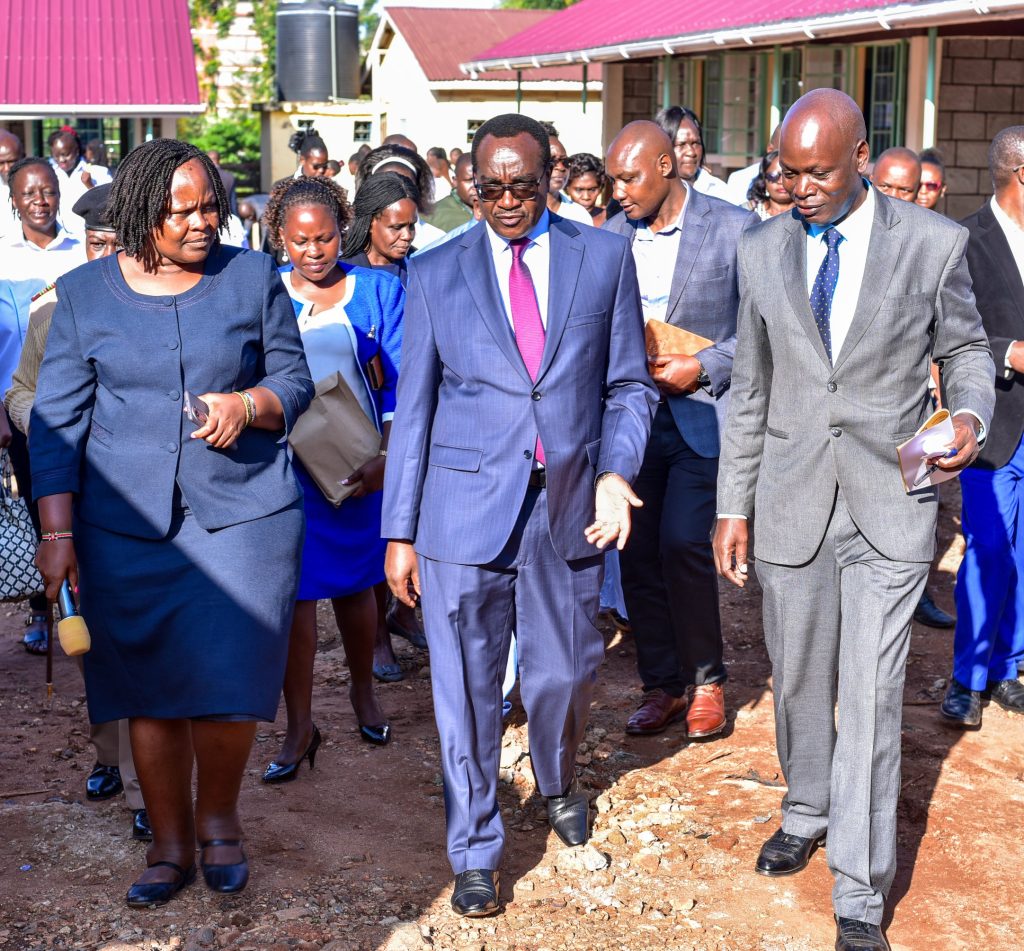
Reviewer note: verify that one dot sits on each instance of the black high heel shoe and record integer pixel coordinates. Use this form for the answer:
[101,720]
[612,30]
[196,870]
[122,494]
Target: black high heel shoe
[225,878]
[285,772]
[155,894]
[377,735]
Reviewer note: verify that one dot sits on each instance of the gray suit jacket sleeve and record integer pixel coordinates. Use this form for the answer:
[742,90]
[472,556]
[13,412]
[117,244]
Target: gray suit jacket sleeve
[631,397]
[743,438]
[409,445]
[961,347]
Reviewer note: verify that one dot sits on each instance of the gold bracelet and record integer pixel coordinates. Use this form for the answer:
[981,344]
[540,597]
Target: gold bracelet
[250,406]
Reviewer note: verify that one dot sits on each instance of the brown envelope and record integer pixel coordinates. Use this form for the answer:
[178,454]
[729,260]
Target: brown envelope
[664,338]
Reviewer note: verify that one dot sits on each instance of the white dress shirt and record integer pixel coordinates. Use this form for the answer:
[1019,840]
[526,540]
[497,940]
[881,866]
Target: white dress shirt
[8,220]
[537,257]
[425,233]
[1015,239]
[655,254]
[708,184]
[21,260]
[739,183]
[573,212]
[72,188]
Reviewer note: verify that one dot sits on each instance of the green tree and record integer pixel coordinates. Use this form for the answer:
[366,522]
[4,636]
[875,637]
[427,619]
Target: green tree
[236,136]
[368,20]
[537,4]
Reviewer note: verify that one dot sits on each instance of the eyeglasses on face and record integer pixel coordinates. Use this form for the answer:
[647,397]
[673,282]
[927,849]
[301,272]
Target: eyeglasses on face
[773,177]
[495,191]
[931,186]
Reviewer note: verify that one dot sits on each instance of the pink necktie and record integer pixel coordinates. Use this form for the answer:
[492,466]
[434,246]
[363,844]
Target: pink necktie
[526,322]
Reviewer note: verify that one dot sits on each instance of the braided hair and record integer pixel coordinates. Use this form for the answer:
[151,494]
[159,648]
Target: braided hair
[304,190]
[28,162]
[373,163]
[375,194]
[141,194]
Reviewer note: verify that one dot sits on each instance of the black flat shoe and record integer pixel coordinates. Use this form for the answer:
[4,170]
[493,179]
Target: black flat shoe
[854,935]
[225,878]
[377,735]
[285,772]
[388,673]
[785,854]
[960,706]
[930,614]
[1009,694]
[476,893]
[569,815]
[104,782]
[141,829]
[416,638]
[155,894]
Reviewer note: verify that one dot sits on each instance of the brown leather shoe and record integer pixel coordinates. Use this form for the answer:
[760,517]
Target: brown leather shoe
[656,711]
[707,711]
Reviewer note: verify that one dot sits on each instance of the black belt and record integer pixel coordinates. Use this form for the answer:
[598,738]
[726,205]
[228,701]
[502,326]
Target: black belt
[538,479]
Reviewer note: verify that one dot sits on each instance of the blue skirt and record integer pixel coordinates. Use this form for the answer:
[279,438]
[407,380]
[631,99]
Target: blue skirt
[191,625]
[343,553]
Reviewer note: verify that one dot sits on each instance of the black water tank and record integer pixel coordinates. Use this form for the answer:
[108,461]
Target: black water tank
[304,51]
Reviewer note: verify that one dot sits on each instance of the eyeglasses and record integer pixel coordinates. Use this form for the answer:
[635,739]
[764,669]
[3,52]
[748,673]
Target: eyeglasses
[931,186]
[773,177]
[495,191]
[562,162]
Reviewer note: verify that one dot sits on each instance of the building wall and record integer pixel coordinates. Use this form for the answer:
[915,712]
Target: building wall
[639,90]
[238,54]
[981,91]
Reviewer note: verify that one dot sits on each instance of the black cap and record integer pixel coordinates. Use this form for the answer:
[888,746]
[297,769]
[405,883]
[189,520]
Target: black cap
[92,206]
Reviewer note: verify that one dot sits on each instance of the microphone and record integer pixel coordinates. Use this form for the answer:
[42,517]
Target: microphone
[71,628]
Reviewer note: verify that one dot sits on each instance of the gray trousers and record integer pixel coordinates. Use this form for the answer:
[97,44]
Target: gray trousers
[469,615]
[838,630]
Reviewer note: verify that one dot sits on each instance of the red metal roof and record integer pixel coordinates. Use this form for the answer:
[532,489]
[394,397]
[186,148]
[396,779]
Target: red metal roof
[98,53]
[441,39]
[590,24]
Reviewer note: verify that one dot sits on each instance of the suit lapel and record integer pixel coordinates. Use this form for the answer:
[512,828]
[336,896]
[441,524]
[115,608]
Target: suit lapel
[477,268]
[1002,256]
[695,230]
[565,260]
[794,278]
[883,254]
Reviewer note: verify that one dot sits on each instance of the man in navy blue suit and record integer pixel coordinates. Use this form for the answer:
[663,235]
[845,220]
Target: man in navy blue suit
[524,407]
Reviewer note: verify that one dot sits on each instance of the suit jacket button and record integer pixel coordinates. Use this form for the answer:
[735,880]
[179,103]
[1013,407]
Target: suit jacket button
[172,344]
[832,387]
[527,454]
[836,431]
[174,395]
[172,447]
[168,302]
[535,395]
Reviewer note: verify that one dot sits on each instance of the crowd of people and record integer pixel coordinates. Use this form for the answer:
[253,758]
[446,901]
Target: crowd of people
[584,383]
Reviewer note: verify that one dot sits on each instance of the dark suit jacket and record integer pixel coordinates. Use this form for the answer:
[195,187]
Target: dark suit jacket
[704,299]
[107,423]
[230,186]
[1000,294]
[468,416]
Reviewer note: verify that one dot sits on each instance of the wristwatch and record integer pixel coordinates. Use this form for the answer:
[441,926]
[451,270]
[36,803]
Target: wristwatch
[703,380]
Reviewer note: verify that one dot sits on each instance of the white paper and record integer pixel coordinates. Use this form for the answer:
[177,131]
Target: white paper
[919,453]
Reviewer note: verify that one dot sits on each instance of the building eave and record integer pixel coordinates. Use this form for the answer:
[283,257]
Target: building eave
[941,13]
[10,110]
[479,86]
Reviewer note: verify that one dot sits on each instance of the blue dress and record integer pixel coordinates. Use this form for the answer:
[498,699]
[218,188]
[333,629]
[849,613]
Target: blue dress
[343,552]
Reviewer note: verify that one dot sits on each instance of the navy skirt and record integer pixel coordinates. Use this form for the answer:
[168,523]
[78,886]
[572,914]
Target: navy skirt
[192,625]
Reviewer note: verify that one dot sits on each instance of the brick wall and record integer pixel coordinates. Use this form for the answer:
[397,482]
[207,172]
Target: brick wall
[981,91]
[639,82]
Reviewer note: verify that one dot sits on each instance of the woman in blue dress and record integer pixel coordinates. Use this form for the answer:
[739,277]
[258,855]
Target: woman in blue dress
[350,320]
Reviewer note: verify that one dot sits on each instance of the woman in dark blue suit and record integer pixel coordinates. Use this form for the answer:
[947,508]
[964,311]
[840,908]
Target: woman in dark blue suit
[185,538]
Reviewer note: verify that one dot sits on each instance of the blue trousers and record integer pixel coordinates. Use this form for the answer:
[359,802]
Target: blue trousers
[470,613]
[989,640]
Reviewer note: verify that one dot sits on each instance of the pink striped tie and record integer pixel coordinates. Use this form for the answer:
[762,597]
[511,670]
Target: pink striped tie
[526,322]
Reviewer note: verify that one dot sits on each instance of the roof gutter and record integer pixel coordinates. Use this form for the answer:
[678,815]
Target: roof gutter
[17,110]
[887,18]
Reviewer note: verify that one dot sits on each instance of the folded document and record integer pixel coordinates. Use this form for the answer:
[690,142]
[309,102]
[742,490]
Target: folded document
[918,455]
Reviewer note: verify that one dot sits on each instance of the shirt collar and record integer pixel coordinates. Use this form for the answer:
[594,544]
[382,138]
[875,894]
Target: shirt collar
[78,169]
[1009,226]
[18,240]
[855,227]
[643,230]
[538,235]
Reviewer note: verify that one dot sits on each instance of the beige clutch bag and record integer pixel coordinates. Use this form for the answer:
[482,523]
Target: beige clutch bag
[664,338]
[333,438]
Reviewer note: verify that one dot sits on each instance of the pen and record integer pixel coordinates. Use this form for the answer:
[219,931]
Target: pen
[933,468]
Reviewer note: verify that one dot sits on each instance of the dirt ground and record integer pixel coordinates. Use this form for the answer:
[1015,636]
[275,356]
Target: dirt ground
[351,856]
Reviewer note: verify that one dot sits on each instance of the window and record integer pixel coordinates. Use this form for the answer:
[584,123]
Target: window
[114,133]
[732,105]
[361,130]
[471,126]
[825,67]
[884,95]
[791,73]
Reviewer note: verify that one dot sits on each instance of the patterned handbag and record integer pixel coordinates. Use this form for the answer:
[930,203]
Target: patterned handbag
[19,577]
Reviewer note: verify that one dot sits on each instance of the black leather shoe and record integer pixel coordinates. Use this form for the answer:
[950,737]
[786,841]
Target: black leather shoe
[961,706]
[104,782]
[1009,694]
[784,854]
[476,893]
[225,878]
[417,638]
[285,772]
[377,735]
[141,829]
[569,815]
[854,935]
[155,894]
[930,614]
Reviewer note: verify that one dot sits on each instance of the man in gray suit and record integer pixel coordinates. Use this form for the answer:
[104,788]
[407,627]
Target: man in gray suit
[684,244]
[524,406]
[843,306]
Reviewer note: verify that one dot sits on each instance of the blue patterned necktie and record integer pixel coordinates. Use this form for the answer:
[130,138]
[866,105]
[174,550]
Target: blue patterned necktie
[824,288]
